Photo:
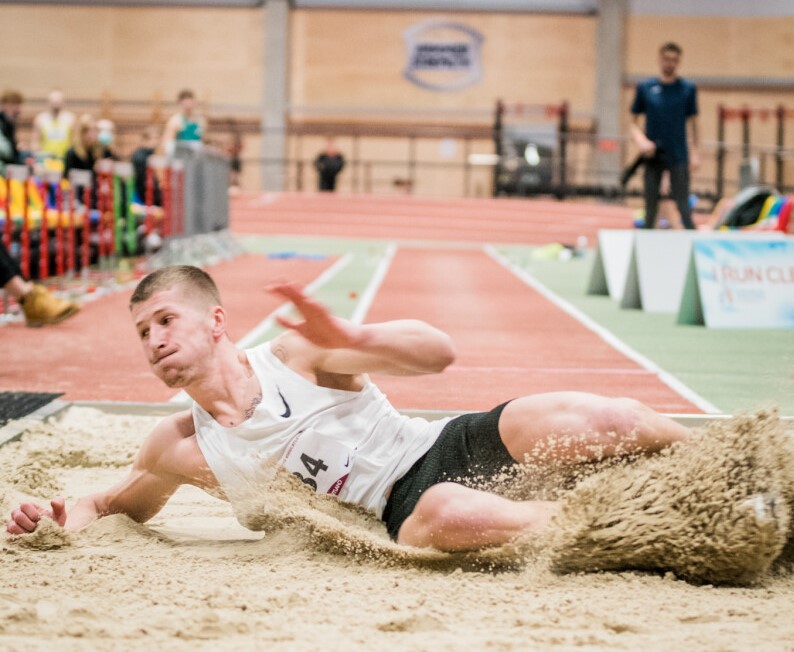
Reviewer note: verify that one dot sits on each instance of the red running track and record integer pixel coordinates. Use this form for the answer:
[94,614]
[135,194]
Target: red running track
[511,341]
[462,220]
[96,355]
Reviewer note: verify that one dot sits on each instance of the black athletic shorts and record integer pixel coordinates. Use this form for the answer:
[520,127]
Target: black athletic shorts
[468,447]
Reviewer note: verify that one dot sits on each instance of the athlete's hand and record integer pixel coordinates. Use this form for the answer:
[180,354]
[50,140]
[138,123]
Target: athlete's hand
[319,326]
[25,518]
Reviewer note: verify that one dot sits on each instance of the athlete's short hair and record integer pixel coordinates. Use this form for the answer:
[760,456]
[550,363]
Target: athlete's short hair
[671,46]
[198,283]
[185,94]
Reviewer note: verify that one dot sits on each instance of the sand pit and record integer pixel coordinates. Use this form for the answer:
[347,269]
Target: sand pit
[324,577]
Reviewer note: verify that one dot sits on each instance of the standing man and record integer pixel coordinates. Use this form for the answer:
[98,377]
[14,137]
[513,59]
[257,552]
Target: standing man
[329,164]
[669,104]
[53,129]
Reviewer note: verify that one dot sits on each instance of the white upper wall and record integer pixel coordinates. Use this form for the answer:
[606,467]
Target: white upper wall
[713,8]
[654,7]
[649,7]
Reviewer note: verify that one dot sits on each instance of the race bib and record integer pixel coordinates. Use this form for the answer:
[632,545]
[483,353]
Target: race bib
[319,461]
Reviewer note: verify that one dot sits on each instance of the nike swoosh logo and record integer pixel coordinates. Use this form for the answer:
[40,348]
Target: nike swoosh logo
[348,461]
[287,411]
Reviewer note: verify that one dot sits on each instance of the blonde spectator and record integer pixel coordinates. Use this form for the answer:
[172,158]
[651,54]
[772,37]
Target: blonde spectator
[87,150]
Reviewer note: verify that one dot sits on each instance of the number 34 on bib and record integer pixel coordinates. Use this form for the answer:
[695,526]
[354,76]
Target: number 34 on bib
[320,461]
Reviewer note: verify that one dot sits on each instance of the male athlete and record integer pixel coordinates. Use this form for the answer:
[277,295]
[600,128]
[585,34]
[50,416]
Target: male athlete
[304,402]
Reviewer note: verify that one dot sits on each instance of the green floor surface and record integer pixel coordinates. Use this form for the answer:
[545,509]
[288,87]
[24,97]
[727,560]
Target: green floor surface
[733,369]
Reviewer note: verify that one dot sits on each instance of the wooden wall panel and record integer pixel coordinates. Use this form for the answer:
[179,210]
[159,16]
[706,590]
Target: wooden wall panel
[355,59]
[713,45]
[133,52]
[525,57]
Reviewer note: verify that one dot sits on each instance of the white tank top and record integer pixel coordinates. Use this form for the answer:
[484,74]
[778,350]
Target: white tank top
[351,444]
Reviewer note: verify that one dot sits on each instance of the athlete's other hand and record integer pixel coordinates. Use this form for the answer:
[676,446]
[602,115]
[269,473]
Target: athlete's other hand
[319,326]
[25,518]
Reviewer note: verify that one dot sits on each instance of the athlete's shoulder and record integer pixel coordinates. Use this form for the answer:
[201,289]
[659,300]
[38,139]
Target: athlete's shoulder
[164,438]
[290,344]
[173,428]
[297,353]
[262,352]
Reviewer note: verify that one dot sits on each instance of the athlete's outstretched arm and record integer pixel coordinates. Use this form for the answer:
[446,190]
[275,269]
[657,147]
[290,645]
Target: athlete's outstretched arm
[400,347]
[148,486]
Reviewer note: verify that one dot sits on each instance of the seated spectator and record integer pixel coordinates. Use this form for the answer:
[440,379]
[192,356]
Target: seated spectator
[235,150]
[10,108]
[140,158]
[106,133]
[186,127]
[86,152]
[53,130]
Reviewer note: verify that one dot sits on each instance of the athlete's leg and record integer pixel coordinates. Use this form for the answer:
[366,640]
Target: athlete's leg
[577,427]
[452,517]
[571,426]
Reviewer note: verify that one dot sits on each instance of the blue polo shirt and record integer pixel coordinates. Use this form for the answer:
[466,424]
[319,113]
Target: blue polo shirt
[667,108]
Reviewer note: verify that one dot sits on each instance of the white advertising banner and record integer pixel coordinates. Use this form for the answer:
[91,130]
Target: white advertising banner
[611,264]
[740,284]
[659,263]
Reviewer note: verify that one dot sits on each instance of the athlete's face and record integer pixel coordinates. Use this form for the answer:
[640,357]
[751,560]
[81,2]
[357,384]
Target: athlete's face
[668,62]
[177,335]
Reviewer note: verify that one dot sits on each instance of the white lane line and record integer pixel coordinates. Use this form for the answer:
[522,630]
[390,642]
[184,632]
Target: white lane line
[368,295]
[265,325]
[552,370]
[667,378]
[268,322]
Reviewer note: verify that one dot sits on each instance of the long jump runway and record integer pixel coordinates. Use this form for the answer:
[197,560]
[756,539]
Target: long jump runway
[511,340]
